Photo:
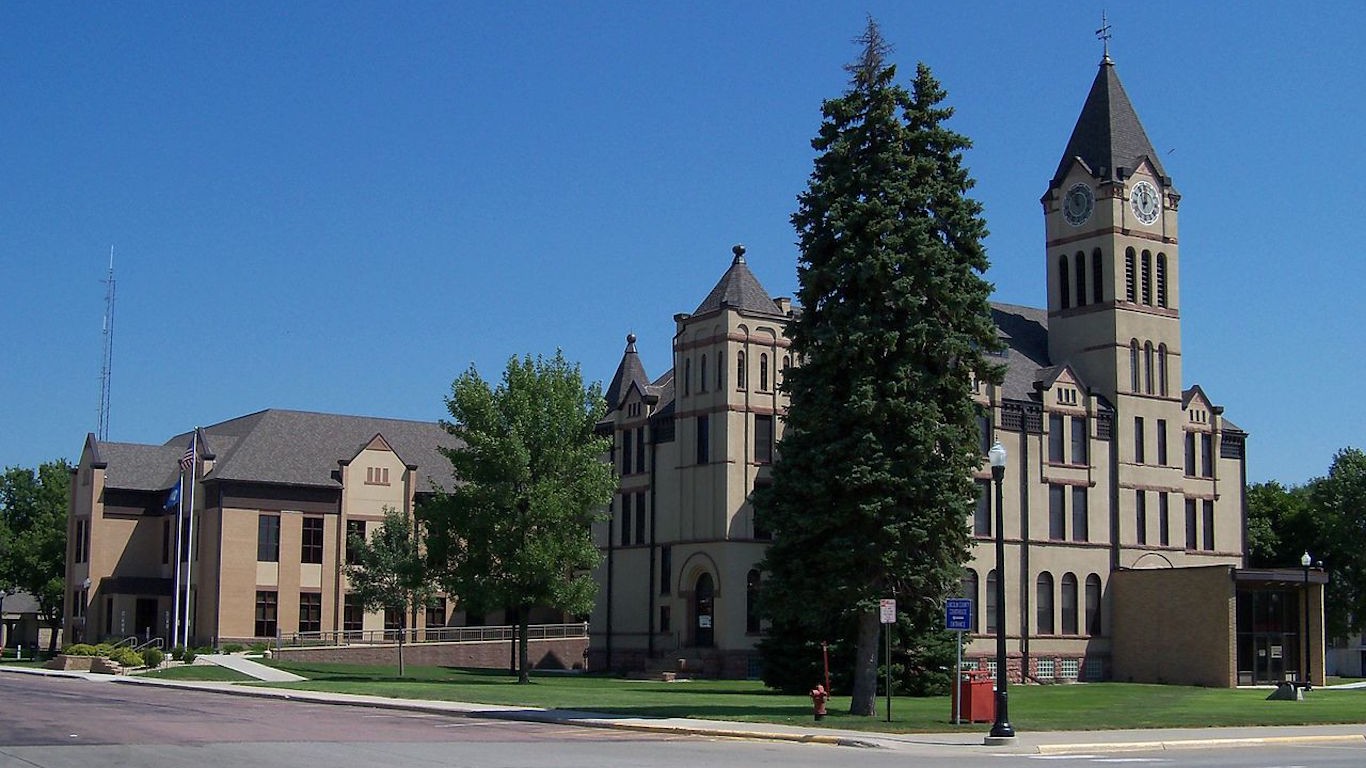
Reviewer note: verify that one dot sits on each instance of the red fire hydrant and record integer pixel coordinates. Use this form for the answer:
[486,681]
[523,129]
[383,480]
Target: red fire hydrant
[818,698]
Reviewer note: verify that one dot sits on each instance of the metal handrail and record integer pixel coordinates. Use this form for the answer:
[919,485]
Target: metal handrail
[155,642]
[432,635]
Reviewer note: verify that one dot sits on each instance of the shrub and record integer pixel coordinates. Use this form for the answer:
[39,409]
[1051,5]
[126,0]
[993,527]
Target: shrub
[234,648]
[189,655]
[178,653]
[153,657]
[104,649]
[260,647]
[126,657]
[80,649]
[203,649]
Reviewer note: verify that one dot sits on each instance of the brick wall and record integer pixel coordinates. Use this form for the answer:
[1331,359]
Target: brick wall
[541,654]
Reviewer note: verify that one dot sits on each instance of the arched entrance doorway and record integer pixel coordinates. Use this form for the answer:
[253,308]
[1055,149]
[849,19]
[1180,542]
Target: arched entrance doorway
[704,630]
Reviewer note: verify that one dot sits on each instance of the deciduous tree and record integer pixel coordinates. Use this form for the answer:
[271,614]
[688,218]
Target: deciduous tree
[33,539]
[871,495]
[529,480]
[391,571]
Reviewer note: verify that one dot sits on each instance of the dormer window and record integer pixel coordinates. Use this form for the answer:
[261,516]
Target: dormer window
[376,475]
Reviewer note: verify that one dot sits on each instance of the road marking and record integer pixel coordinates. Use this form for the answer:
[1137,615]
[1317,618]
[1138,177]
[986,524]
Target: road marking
[1132,760]
[456,725]
[1055,757]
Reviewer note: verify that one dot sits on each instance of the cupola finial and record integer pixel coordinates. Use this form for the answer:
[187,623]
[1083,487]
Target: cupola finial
[739,250]
[1103,34]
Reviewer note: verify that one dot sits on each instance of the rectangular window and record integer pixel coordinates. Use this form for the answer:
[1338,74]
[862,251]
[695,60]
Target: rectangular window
[268,538]
[640,518]
[664,617]
[393,623]
[376,475]
[1190,454]
[981,517]
[109,615]
[626,452]
[1081,529]
[1192,538]
[1139,456]
[353,616]
[640,449]
[1162,442]
[166,545]
[1209,524]
[1141,517]
[436,613]
[266,606]
[703,439]
[1164,522]
[311,546]
[763,439]
[666,569]
[984,434]
[625,519]
[1057,502]
[1055,438]
[81,548]
[1079,440]
[310,612]
[1206,455]
[355,535]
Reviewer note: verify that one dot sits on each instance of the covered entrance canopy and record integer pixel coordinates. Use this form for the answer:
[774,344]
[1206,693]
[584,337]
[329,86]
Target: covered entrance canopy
[1275,609]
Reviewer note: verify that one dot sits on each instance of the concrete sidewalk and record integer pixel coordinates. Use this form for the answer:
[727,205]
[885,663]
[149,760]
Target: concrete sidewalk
[250,668]
[926,744]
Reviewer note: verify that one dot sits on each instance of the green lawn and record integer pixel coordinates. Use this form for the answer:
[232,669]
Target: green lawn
[1058,707]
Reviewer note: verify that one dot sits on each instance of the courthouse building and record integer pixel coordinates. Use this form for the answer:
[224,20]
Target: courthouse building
[1124,492]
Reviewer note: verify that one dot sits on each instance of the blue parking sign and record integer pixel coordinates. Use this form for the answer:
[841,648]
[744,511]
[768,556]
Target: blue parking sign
[958,614]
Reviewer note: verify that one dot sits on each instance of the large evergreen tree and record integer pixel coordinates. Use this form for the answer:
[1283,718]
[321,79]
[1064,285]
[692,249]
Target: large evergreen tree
[530,480]
[874,487]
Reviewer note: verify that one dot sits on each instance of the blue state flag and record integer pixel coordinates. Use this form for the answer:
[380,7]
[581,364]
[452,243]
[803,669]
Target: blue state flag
[173,499]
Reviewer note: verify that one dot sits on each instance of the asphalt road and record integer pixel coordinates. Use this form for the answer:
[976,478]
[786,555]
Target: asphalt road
[54,722]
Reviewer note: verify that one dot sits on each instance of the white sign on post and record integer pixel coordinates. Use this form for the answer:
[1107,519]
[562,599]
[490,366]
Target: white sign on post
[888,609]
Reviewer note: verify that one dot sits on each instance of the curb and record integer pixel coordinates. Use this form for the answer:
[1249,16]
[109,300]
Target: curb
[1164,746]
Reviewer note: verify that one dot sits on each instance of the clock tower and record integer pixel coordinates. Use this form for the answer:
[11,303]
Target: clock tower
[1110,216]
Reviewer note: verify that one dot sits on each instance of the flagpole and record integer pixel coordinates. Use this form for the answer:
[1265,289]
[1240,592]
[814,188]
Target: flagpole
[189,558]
[179,517]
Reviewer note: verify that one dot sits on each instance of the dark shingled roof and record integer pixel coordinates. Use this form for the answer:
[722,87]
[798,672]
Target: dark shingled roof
[135,467]
[1108,134]
[738,289]
[301,448]
[1025,332]
[631,371]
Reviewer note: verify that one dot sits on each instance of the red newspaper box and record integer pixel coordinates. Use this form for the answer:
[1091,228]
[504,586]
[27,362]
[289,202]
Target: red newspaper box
[976,692]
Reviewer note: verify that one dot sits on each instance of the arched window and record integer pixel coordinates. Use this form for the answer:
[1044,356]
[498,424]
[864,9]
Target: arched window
[1130,292]
[720,371]
[1044,600]
[1097,283]
[752,601]
[1161,279]
[1063,286]
[787,363]
[1069,604]
[969,591]
[739,370]
[1133,366]
[763,372]
[990,601]
[1148,367]
[1093,605]
[1147,278]
[687,376]
[1081,278]
[702,374]
[1162,369]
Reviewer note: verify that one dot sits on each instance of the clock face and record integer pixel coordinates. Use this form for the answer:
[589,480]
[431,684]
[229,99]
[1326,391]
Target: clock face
[1144,200]
[1077,205]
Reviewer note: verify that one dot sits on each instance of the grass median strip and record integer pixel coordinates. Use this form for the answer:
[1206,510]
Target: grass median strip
[1090,706]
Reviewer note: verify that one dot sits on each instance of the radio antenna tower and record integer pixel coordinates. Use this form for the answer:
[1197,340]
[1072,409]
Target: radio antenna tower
[106,368]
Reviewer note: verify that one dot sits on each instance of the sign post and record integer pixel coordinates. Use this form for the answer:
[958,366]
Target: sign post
[887,608]
[958,617]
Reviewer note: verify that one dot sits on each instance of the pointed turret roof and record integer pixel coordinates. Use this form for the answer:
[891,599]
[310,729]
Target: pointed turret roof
[1108,134]
[738,289]
[631,371]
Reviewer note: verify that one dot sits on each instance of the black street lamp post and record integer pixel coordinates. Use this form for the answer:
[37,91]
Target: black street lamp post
[1001,728]
[1305,562]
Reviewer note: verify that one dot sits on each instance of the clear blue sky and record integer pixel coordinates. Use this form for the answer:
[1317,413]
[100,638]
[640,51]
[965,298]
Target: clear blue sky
[341,206]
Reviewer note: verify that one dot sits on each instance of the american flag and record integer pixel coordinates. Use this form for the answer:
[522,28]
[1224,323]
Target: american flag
[187,460]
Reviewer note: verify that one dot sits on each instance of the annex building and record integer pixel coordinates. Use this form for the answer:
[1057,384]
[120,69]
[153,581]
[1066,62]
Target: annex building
[276,496]
[1124,494]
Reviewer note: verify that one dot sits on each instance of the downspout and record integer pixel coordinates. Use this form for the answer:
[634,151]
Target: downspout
[1024,551]
[650,619]
[611,551]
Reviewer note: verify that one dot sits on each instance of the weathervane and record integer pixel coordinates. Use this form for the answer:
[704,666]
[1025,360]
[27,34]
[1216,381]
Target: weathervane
[1103,34]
